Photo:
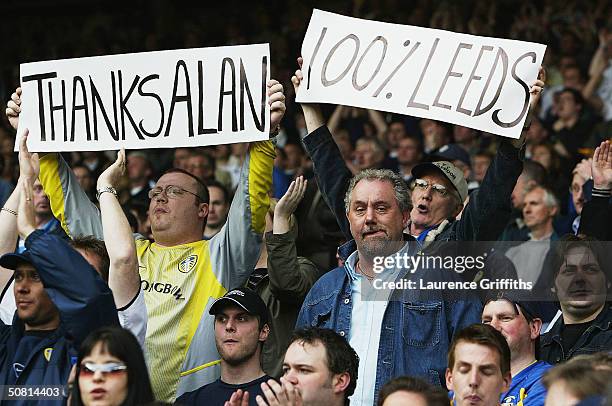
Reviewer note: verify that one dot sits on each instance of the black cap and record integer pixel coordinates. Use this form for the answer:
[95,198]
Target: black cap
[244,298]
[453,152]
[11,261]
[531,309]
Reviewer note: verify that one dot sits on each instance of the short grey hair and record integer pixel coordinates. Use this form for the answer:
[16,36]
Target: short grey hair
[550,200]
[400,188]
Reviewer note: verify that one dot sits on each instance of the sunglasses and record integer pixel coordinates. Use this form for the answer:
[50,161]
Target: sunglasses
[112,368]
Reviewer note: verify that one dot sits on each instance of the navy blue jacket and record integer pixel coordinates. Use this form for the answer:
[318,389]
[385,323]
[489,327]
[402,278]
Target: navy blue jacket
[84,301]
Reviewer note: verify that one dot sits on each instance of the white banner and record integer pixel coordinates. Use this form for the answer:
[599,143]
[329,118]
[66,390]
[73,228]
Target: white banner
[162,99]
[477,82]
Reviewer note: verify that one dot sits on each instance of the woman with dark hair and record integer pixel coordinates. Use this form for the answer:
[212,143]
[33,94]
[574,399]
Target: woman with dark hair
[111,371]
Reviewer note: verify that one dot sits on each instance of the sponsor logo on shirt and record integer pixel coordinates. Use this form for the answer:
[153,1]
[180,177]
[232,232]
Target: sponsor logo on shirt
[509,401]
[47,353]
[188,264]
[18,368]
[163,288]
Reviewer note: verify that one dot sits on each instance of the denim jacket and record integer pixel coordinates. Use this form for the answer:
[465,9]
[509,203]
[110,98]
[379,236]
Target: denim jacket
[415,335]
[598,337]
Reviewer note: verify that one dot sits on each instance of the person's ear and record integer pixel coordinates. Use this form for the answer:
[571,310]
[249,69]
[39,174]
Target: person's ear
[458,210]
[553,211]
[340,382]
[203,210]
[535,327]
[263,334]
[449,378]
[507,380]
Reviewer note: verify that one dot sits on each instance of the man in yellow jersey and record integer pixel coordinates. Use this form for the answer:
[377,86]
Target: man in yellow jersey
[180,273]
[478,366]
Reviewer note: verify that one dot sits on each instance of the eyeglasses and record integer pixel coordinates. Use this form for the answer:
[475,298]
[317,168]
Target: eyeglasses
[575,189]
[111,368]
[173,192]
[437,188]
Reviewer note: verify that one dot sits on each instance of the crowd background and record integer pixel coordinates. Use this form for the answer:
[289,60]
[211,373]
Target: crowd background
[573,31]
[574,115]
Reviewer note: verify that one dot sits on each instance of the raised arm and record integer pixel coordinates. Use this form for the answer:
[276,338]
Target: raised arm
[486,215]
[123,277]
[333,176]
[236,246]
[69,203]
[334,121]
[290,277]
[596,219]
[377,118]
[83,299]
[8,234]
[28,172]
[598,65]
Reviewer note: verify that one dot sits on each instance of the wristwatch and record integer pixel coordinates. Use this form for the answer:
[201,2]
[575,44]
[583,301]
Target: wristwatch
[105,189]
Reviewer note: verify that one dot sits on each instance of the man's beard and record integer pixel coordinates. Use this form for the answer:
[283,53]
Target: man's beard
[239,357]
[379,247]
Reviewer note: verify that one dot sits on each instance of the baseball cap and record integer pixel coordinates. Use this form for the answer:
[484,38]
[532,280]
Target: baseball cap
[530,309]
[12,260]
[450,171]
[453,152]
[244,298]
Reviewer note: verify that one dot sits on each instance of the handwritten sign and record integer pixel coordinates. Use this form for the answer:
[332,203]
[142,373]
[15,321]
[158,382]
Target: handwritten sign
[162,99]
[477,82]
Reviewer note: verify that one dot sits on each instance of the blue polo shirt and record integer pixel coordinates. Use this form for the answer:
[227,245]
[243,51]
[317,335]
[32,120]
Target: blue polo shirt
[526,388]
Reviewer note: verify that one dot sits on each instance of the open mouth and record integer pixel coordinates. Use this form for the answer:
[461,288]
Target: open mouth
[422,209]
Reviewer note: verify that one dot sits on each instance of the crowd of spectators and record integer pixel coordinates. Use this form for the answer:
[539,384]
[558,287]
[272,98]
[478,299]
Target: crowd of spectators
[245,274]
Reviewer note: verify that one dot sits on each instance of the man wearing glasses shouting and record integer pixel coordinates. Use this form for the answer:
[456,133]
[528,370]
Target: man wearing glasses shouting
[179,273]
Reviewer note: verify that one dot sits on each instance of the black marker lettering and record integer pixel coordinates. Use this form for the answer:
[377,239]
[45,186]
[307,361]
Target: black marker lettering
[460,109]
[159,101]
[123,106]
[314,55]
[383,41]
[186,98]
[75,107]
[324,79]
[41,104]
[449,74]
[201,129]
[259,123]
[384,83]
[496,119]
[96,101]
[504,57]
[231,92]
[412,103]
[53,108]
